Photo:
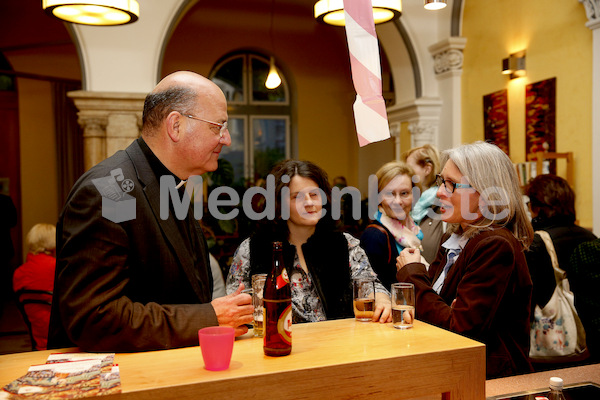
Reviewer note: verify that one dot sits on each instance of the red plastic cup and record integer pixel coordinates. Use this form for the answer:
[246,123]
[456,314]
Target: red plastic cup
[216,343]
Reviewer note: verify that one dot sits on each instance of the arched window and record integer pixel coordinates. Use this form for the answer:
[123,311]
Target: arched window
[259,118]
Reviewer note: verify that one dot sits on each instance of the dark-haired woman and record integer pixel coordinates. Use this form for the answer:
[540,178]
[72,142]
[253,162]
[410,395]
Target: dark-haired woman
[321,262]
[552,205]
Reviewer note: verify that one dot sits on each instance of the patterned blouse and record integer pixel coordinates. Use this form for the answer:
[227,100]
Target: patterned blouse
[306,304]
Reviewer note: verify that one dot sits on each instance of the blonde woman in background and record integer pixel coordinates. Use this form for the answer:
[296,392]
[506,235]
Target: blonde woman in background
[425,161]
[37,273]
[392,229]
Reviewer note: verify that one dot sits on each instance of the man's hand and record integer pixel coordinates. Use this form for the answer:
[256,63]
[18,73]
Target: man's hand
[234,310]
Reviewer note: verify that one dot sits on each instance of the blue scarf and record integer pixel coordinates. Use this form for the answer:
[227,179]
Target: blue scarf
[420,208]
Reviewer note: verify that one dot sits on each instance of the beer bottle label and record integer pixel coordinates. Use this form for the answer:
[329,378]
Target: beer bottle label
[284,325]
[282,279]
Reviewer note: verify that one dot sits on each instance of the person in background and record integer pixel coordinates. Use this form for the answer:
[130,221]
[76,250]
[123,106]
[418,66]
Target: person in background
[340,182]
[217,277]
[8,220]
[346,222]
[425,161]
[584,278]
[215,267]
[37,273]
[479,284]
[145,283]
[552,205]
[320,261]
[393,228]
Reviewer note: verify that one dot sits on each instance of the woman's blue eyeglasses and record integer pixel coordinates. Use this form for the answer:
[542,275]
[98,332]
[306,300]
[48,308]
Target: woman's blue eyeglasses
[449,185]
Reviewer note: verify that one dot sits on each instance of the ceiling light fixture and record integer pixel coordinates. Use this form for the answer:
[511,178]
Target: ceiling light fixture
[435,4]
[332,11]
[96,12]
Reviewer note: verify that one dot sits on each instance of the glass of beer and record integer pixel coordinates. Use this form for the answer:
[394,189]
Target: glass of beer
[258,284]
[403,305]
[364,298]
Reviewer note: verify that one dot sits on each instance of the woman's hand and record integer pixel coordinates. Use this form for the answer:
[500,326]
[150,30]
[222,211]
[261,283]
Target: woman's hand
[407,256]
[383,308]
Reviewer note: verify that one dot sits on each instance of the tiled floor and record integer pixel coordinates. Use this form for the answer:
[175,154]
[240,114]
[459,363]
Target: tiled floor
[13,331]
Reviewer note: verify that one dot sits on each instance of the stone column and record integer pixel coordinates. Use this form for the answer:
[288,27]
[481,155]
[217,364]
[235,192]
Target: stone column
[110,122]
[422,133]
[592,10]
[448,62]
[423,117]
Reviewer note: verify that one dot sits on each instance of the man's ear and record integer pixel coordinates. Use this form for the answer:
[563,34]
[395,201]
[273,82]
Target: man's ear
[173,124]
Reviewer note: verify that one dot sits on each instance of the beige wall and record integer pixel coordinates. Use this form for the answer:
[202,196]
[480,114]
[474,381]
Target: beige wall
[39,183]
[558,44]
[39,174]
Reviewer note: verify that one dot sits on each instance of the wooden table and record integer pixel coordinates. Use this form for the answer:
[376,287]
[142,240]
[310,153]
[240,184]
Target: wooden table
[331,359]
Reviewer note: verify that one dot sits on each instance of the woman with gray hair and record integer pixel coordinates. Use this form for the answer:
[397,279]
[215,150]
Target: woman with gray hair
[479,284]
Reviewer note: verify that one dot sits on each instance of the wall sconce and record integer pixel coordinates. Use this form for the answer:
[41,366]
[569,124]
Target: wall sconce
[435,4]
[514,65]
[332,11]
[93,12]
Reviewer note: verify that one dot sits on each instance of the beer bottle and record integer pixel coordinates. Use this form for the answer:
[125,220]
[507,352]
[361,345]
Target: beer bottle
[277,303]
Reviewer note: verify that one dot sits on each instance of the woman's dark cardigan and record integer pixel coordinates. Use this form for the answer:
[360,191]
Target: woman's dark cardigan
[327,258]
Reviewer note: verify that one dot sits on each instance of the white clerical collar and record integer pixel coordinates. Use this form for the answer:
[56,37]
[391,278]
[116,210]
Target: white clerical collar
[180,184]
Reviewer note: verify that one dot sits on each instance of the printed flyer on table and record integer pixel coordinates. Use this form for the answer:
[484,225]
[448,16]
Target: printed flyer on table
[67,376]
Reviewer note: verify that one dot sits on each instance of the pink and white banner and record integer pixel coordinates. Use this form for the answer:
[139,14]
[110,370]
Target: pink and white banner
[369,108]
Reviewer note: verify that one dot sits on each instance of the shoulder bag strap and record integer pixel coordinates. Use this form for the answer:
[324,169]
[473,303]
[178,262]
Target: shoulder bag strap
[559,274]
[382,229]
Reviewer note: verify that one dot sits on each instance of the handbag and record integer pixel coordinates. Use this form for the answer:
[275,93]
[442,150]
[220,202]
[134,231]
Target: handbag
[557,334]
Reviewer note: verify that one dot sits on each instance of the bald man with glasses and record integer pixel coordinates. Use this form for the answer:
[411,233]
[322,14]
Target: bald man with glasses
[138,282]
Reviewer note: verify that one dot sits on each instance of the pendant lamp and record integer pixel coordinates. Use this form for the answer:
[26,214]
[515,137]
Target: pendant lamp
[95,12]
[273,79]
[434,4]
[332,11]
